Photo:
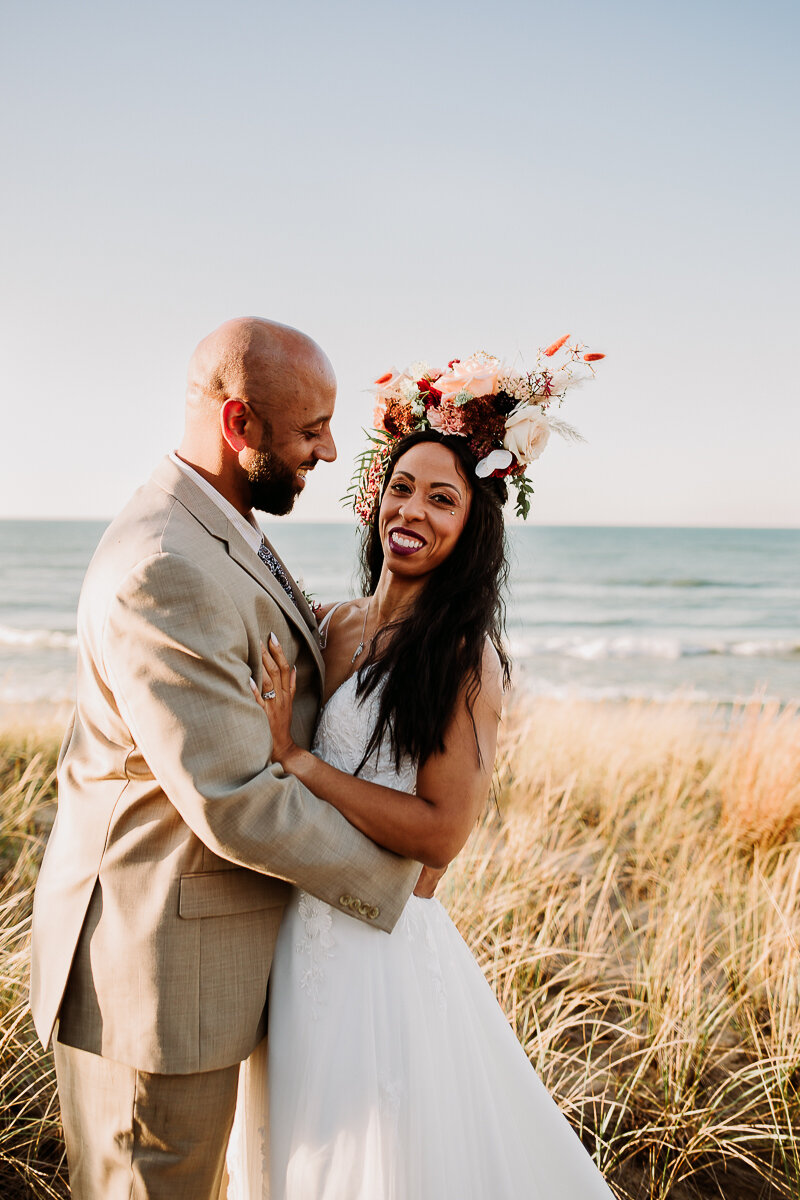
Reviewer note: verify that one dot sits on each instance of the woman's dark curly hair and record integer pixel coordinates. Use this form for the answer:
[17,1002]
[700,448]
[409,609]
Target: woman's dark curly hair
[425,658]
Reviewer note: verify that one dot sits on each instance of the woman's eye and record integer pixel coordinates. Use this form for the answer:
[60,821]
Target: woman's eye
[441,499]
[400,487]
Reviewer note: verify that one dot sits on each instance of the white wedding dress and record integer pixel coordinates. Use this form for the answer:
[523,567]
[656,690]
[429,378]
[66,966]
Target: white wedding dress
[392,1071]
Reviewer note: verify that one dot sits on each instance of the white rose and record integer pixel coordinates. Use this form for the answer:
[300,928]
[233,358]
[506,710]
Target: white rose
[527,432]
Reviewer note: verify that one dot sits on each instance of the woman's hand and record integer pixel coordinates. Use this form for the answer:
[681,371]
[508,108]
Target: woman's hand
[276,698]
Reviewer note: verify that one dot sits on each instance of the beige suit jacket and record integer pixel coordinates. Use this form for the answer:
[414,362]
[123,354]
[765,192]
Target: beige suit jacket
[162,886]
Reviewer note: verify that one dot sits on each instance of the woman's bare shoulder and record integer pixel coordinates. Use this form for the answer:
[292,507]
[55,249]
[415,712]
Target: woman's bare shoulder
[334,617]
[344,607]
[492,678]
[324,610]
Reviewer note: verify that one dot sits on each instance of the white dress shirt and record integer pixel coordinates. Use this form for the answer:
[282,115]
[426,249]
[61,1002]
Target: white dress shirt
[247,526]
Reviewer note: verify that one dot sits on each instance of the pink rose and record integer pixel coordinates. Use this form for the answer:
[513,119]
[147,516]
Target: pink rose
[476,375]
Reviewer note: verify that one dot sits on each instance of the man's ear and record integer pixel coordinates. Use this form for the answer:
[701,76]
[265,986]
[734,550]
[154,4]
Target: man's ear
[234,419]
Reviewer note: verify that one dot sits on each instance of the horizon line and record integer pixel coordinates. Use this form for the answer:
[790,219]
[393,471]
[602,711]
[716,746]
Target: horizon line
[511,524]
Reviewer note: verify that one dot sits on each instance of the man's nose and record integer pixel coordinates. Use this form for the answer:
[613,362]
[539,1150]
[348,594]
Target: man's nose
[325,448]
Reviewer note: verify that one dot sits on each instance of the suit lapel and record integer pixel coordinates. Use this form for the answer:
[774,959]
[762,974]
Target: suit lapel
[173,480]
[302,606]
[249,561]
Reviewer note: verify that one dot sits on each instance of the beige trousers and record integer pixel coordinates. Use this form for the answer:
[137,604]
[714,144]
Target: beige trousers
[132,1135]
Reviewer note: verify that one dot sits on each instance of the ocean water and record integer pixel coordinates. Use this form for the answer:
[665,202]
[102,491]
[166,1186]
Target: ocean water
[596,612]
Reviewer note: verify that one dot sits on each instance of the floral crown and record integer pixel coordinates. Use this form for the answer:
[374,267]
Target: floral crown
[501,413]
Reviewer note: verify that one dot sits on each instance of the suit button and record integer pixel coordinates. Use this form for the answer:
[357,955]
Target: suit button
[345,901]
[374,912]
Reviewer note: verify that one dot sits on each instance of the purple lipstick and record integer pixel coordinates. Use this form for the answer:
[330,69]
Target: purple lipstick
[404,541]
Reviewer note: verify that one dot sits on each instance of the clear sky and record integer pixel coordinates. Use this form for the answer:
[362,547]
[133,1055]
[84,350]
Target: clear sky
[403,181]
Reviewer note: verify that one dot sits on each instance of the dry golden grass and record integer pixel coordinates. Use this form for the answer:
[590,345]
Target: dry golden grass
[31,1147]
[637,909]
[636,906]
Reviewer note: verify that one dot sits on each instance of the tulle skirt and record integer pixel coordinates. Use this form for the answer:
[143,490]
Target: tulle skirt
[393,1074]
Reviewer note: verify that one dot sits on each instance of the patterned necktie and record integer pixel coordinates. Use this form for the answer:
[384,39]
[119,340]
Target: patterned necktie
[269,559]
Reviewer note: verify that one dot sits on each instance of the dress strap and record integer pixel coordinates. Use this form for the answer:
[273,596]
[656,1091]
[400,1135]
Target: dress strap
[323,626]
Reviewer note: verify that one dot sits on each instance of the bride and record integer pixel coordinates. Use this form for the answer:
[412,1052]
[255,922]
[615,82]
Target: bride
[392,1072]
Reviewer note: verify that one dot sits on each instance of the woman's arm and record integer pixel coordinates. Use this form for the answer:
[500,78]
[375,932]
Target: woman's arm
[452,787]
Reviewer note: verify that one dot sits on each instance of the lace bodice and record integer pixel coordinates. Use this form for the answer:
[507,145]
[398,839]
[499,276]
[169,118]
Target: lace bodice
[343,730]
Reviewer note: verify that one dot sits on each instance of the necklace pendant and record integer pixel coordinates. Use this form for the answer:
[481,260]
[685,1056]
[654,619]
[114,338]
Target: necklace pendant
[358,650]
[360,645]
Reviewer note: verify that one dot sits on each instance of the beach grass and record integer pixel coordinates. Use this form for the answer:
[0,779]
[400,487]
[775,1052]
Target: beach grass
[634,899]
[32,1162]
[636,905]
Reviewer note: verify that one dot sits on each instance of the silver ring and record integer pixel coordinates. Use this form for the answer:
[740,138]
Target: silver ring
[268,695]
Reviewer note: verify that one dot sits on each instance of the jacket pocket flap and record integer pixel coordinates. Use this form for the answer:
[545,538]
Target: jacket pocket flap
[225,893]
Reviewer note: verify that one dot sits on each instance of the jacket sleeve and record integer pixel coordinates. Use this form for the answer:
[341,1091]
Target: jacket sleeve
[175,651]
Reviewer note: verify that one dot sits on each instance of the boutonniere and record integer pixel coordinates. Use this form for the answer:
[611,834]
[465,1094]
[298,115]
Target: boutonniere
[308,596]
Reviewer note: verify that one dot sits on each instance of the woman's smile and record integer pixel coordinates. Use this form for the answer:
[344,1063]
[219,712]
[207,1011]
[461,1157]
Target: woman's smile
[404,541]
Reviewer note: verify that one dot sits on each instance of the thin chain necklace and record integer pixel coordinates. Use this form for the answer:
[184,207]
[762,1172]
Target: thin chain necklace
[360,647]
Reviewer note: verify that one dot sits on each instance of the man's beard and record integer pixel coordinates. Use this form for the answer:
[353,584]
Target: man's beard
[273,483]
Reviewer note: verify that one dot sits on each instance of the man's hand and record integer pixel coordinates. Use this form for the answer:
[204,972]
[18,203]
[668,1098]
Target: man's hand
[428,882]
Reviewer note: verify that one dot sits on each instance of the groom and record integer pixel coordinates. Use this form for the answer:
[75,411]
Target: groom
[163,884]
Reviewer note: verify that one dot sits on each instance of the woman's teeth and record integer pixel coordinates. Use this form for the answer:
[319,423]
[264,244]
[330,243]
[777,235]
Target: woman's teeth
[404,543]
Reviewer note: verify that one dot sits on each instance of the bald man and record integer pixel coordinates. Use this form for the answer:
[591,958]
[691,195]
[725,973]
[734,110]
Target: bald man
[164,880]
